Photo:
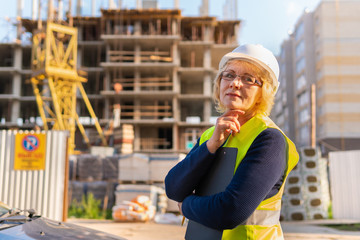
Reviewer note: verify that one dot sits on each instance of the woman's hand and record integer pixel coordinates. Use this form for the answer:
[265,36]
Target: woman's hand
[226,124]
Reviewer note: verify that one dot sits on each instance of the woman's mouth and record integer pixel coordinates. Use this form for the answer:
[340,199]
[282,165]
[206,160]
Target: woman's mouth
[233,94]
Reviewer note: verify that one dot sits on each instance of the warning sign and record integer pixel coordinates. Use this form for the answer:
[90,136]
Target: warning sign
[30,151]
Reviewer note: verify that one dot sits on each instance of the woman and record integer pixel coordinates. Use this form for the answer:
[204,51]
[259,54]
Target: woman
[230,184]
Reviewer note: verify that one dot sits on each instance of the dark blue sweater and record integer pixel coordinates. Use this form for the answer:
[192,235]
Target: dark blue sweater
[259,176]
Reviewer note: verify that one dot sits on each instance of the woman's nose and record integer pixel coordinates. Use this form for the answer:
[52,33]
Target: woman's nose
[236,83]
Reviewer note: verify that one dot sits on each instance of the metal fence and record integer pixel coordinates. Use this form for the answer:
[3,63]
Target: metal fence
[42,190]
[344,168]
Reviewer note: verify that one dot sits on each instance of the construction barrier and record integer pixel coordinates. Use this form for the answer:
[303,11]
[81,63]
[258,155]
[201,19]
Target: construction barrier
[42,188]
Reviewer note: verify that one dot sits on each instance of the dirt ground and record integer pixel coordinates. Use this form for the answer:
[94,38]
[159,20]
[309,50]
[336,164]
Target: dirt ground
[135,231]
[156,231]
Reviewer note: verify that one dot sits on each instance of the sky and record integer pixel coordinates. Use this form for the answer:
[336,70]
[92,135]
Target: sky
[265,22]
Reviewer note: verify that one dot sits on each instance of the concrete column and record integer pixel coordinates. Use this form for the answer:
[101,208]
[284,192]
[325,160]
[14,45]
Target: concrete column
[207,34]
[174,26]
[175,80]
[207,111]
[16,91]
[175,138]
[16,84]
[207,85]
[107,87]
[175,54]
[137,77]
[137,28]
[137,53]
[79,57]
[176,109]
[137,138]
[207,58]
[137,105]
[107,57]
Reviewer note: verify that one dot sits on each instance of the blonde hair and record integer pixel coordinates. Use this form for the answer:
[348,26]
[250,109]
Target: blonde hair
[267,90]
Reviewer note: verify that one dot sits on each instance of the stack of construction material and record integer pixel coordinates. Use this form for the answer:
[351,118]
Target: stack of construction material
[101,190]
[160,164]
[101,151]
[127,192]
[306,194]
[169,205]
[138,209]
[315,182]
[76,191]
[124,139]
[111,168]
[89,167]
[293,199]
[134,168]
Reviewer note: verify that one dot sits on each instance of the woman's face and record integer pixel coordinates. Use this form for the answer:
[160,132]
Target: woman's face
[237,95]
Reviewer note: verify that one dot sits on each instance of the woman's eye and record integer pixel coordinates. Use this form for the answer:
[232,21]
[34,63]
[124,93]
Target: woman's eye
[229,75]
[249,80]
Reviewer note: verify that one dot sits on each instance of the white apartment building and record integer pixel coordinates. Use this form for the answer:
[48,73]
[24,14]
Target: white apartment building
[326,52]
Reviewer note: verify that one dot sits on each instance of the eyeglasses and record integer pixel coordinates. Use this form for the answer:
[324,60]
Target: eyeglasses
[245,79]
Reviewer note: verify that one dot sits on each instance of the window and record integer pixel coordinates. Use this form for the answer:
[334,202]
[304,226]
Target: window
[304,134]
[299,31]
[304,115]
[303,99]
[300,65]
[300,82]
[300,48]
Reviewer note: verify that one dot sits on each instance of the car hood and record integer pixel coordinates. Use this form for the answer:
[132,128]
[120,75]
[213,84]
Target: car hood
[43,228]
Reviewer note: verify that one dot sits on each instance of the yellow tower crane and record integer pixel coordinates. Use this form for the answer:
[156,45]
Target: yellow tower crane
[55,81]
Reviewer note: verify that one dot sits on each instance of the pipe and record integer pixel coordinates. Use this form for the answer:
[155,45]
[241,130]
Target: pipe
[39,23]
[60,10]
[18,18]
[34,10]
[93,6]
[78,8]
[50,16]
[176,4]
[138,4]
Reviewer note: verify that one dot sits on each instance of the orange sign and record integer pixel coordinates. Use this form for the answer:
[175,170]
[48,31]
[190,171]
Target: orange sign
[30,151]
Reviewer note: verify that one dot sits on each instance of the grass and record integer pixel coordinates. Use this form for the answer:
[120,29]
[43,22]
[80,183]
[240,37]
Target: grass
[344,227]
[88,208]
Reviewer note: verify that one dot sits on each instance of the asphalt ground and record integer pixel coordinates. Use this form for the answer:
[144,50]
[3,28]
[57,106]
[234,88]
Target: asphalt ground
[309,230]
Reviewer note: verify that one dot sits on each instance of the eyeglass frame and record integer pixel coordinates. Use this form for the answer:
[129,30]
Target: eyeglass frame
[253,82]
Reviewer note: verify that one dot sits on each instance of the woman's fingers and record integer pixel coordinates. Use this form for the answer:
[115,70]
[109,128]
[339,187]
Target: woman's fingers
[229,123]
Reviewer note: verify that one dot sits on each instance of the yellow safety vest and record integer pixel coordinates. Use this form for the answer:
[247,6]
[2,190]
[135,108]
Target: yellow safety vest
[264,223]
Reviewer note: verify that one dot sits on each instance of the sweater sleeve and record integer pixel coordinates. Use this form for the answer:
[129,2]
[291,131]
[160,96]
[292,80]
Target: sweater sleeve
[182,179]
[260,170]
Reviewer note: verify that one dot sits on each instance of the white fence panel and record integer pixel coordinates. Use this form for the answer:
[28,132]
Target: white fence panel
[344,168]
[42,190]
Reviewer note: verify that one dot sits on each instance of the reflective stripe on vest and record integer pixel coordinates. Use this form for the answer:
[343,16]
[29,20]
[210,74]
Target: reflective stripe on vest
[264,222]
[263,217]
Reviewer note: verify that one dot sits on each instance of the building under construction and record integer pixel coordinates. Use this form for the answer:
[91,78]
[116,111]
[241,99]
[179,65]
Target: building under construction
[149,67]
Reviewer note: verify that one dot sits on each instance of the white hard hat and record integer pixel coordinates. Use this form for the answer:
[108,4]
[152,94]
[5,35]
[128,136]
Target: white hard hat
[258,55]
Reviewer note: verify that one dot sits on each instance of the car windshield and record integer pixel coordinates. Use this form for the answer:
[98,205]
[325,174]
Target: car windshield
[3,209]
